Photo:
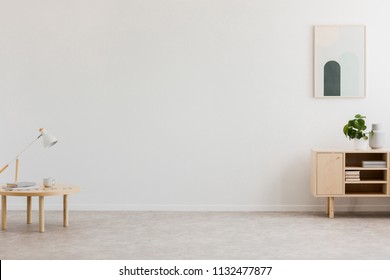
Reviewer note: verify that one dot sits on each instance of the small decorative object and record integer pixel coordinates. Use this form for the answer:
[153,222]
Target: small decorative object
[355,129]
[377,136]
[49,182]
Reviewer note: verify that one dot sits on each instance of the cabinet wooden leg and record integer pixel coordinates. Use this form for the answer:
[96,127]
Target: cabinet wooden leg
[3,212]
[29,210]
[331,207]
[327,205]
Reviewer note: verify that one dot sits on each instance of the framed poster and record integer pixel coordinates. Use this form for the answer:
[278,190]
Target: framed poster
[339,61]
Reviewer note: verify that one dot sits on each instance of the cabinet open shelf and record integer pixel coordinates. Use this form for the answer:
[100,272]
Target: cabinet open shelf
[373,175]
[366,188]
[353,160]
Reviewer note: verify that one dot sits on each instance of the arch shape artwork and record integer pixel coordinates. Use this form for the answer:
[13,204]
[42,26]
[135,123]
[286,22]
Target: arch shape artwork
[339,61]
[332,78]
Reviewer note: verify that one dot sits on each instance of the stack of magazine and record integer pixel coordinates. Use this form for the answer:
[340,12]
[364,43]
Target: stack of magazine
[374,164]
[352,176]
[18,186]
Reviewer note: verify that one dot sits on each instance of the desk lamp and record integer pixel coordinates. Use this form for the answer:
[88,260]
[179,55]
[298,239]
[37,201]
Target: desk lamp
[48,140]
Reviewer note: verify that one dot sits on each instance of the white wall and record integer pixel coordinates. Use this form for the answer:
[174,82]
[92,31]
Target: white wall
[179,104]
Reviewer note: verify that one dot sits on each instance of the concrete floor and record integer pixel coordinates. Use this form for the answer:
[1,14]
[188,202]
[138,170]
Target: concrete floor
[197,235]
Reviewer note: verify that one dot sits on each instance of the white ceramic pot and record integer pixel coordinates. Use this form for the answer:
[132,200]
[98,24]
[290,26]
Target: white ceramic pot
[377,137]
[361,144]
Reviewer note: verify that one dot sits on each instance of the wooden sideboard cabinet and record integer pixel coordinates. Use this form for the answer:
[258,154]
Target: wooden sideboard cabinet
[349,173]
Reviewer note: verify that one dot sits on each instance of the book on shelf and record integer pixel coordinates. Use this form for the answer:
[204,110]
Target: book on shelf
[352,175]
[352,172]
[352,179]
[374,163]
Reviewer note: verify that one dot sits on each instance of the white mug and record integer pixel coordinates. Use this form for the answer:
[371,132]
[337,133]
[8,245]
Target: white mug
[49,181]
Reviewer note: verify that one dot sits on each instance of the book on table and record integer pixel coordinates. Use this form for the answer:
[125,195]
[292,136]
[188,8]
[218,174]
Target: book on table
[17,186]
[20,184]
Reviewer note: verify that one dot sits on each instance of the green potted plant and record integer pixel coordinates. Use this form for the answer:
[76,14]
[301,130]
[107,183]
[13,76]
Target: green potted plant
[355,130]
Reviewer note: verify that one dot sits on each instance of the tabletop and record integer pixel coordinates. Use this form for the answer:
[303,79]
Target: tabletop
[41,191]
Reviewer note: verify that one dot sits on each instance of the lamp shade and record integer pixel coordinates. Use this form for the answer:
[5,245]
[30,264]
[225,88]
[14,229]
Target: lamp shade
[48,139]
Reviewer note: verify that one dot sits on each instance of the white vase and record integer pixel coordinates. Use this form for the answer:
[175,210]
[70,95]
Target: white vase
[361,144]
[377,137]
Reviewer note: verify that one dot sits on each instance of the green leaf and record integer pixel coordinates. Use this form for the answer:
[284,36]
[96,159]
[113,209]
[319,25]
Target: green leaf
[359,124]
[345,130]
[352,133]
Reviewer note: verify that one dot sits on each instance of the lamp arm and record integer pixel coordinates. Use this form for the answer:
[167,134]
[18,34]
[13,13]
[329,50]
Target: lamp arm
[29,145]
[4,168]
[15,158]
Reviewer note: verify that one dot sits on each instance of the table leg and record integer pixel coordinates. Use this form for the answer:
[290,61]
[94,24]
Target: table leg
[66,215]
[331,207]
[3,212]
[41,214]
[29,210]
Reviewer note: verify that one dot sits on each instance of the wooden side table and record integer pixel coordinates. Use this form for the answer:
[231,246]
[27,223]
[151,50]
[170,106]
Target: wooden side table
[41,192]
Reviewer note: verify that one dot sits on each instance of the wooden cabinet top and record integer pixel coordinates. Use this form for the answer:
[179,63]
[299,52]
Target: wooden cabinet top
[340,150]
